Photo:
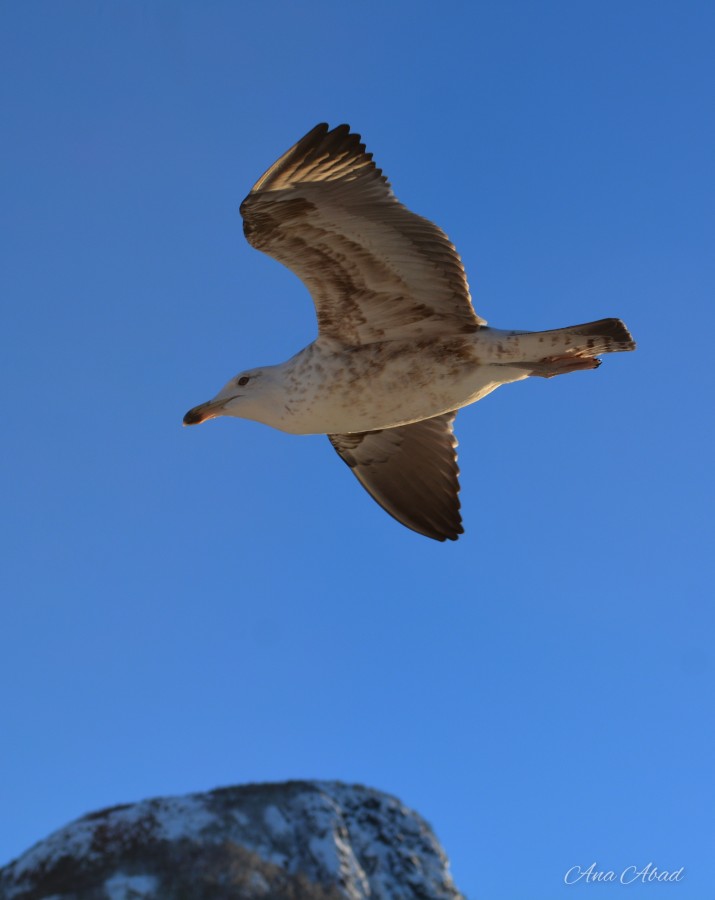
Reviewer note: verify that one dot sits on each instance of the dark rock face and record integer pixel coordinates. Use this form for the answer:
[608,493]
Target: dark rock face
[302,840]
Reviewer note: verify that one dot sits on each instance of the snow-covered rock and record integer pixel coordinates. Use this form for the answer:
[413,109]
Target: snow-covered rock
[294,841]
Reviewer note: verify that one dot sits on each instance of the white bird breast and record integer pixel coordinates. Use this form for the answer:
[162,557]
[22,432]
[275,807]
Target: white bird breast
[337,390]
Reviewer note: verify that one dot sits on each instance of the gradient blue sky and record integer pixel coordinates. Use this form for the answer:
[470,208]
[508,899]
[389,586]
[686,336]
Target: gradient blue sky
[188,608]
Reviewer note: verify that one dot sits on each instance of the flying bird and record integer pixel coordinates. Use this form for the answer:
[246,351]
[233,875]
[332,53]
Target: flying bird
[400,348]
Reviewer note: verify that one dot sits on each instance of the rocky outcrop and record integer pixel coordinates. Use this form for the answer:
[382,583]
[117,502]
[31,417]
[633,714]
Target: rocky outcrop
[302,840]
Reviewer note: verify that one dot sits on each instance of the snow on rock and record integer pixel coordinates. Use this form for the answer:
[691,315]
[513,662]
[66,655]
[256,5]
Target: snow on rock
[130,887]
[301,840]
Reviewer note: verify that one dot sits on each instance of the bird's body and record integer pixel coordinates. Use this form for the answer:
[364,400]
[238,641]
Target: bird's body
[328,389]
[400,348]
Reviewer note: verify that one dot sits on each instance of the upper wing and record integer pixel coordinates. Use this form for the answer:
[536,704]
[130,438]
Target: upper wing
[376,271]
[411,471]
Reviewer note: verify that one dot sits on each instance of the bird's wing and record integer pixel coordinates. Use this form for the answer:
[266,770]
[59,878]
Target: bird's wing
[376,271]
[411,471]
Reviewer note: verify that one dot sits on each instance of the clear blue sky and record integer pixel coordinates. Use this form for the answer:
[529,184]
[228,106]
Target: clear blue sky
[187,608]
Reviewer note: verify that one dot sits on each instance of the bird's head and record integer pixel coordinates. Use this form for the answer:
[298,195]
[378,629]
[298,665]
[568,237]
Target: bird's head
[245,396]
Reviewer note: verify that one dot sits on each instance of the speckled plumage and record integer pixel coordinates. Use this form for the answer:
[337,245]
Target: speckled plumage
[400,348]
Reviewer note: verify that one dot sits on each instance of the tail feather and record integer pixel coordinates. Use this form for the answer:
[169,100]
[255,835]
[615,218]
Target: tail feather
[604,336]
[576,347]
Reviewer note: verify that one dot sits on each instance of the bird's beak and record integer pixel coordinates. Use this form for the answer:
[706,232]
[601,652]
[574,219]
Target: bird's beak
[204,412]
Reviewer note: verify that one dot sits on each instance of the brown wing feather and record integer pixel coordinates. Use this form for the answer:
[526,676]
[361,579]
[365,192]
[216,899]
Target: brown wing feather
[375,270]
[411,471]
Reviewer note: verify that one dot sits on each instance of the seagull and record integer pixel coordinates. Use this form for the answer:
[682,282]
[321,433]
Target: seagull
[400,348]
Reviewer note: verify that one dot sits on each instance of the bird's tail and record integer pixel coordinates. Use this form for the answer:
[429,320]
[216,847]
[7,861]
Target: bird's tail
[576,347]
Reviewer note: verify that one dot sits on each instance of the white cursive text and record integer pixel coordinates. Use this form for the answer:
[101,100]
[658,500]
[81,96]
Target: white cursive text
[627,876]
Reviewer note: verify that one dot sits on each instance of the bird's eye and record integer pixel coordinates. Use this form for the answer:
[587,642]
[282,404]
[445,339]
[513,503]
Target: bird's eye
[244,379]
